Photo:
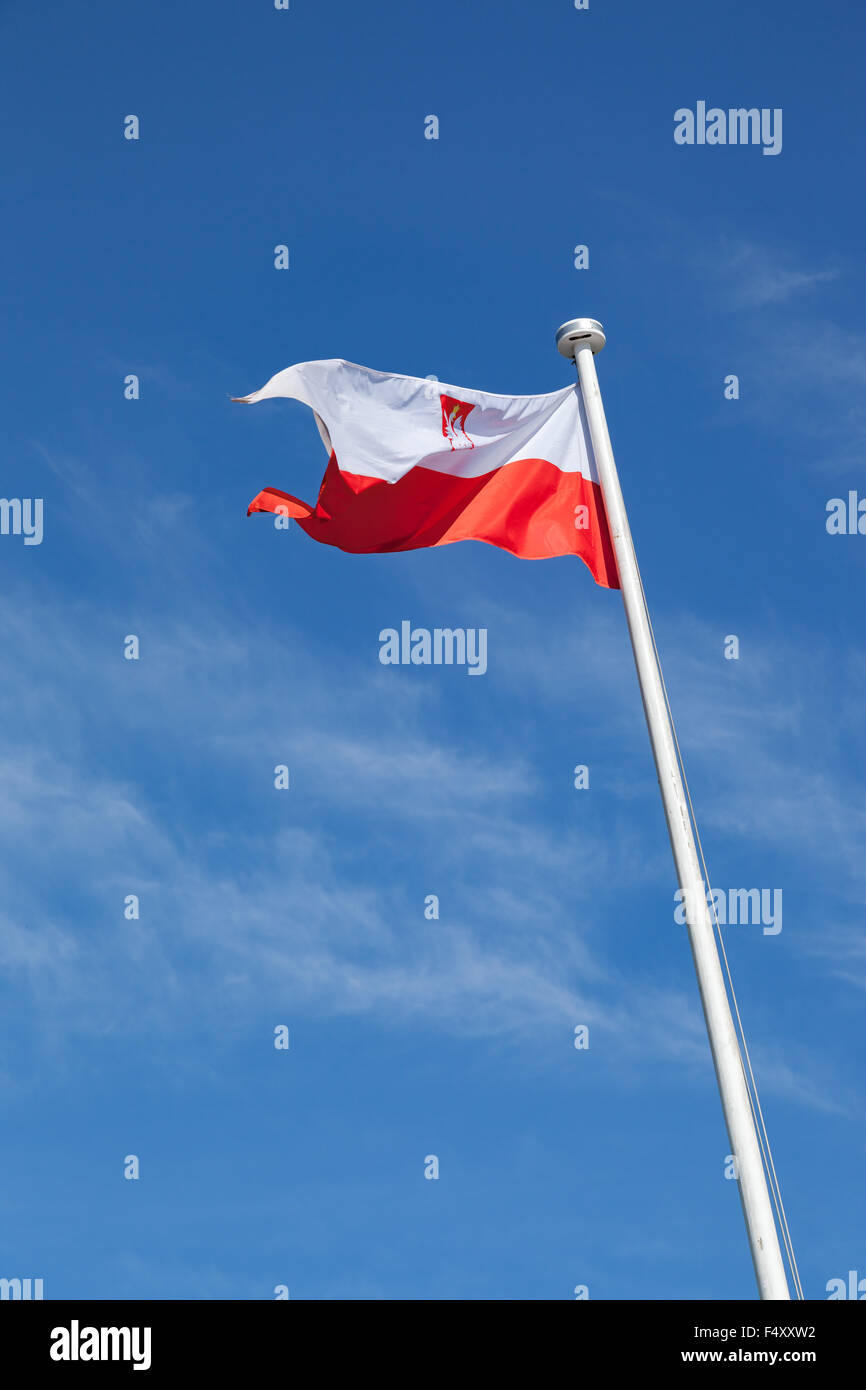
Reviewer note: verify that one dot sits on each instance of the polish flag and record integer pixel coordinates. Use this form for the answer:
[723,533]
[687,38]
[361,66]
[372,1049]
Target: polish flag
[416,463]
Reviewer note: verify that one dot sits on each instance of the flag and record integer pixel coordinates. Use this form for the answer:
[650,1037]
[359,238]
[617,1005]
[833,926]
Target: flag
[415,463]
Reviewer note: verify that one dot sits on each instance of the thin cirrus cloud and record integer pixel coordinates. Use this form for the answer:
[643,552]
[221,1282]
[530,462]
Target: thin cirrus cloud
[801,363]
[742,274]
[231,899]
[281,910]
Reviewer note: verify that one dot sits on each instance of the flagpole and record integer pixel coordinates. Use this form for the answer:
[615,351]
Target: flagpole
[581,339]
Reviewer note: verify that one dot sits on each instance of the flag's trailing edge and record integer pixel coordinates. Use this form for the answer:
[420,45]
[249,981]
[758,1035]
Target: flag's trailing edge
[416,463]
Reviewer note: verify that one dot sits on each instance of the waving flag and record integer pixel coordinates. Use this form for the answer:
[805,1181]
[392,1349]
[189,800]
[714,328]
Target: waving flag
[415,463]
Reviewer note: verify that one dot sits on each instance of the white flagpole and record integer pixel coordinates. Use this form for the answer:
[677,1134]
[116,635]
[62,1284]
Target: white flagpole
[580,339]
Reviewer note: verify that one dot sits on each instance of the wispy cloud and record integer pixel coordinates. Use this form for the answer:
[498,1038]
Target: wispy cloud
[264,901]
[756,275]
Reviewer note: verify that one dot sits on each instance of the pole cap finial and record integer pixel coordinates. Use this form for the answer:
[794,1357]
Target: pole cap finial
[576,332]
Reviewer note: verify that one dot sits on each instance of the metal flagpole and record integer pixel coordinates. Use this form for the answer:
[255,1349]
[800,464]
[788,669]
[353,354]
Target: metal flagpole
[580,339]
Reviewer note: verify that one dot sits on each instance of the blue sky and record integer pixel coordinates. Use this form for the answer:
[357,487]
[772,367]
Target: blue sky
[306,908]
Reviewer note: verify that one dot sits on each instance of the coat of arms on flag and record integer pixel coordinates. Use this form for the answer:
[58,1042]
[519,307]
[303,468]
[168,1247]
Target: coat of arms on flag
[454,422]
